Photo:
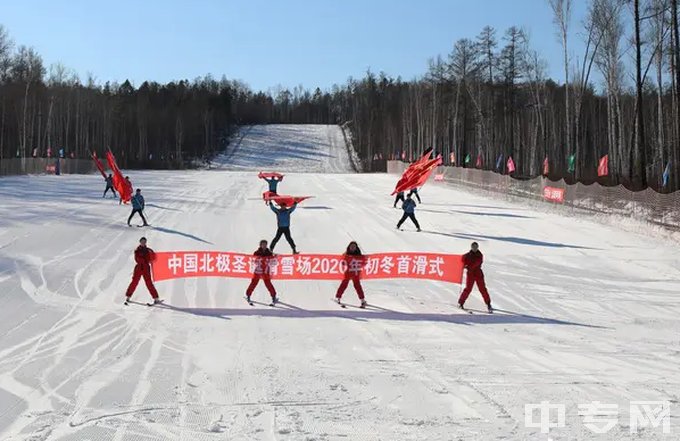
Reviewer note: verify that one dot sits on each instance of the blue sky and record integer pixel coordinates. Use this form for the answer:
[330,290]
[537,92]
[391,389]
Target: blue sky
[267,43]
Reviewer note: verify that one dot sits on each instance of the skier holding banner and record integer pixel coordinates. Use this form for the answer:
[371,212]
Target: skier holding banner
[473,263]
[143,258]
[352,253]
[264,254]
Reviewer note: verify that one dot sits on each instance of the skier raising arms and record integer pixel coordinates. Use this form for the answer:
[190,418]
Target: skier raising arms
[273,183]
[283,224]
[264,254]
[409,207]
[352,253]
[473,260]
[109,186]
[143,256]
[137,207]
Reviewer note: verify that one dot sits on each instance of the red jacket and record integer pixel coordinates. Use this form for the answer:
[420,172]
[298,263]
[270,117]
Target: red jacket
[262,270]
[473,262]
[144,255]
[266,253]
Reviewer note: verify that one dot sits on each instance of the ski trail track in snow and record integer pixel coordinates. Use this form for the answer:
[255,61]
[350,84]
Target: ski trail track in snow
[585,312]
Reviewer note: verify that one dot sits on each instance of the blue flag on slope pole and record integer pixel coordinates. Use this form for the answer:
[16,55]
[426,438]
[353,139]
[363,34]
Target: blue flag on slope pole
[666,174]
[499,161]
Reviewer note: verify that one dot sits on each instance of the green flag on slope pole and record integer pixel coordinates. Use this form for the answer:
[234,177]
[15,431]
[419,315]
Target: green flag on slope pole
[468,159]
[572,166]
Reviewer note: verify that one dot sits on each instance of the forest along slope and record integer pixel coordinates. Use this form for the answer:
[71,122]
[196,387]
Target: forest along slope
[288,148]
[585,313]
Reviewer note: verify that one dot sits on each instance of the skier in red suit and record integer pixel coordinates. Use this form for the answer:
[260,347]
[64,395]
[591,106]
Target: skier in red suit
[352,253]
[143,256]
[265,253]
[473,262]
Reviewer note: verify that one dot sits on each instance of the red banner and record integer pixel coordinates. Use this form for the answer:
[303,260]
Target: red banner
[439,177]
[553,194]
[180,264]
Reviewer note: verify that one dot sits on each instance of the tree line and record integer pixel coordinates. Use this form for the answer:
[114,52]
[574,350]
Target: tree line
[489,99]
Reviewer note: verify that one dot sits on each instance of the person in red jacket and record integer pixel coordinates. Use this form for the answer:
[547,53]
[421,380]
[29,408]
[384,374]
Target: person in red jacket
[353,253]
[143,256]
[473,262]
[262,272]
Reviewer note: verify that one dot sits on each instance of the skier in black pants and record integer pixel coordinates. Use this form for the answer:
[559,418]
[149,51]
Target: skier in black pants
[137,207]
[400,197]
[414,191]
[109,186]
[283,223]
[409,207]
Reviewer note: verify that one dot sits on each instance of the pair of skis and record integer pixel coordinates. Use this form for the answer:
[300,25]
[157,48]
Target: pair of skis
[470,311]
[159,302]
[363,305]
[272,304]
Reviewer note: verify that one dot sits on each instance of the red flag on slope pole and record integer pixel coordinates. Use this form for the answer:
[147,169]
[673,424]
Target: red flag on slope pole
[478,164]
[511,166]
[603,167]
[546,167]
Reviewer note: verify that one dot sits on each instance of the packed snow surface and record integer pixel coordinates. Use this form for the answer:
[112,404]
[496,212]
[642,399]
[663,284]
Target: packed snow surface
[585,312]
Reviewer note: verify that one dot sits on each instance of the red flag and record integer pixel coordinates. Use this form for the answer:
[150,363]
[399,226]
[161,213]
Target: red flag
[413,170]
[546,167]
[119,182]
[263,175]
[288,201]
[603,167]
[419,176]
[425,175]
[99,165]
[478,164]
[511,165]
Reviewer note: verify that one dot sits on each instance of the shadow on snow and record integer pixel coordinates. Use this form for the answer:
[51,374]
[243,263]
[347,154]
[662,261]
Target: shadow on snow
[285,310]
[511,239]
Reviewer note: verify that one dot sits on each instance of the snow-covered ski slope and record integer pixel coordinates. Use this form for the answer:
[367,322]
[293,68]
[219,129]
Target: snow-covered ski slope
[586,313]
[311,148]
